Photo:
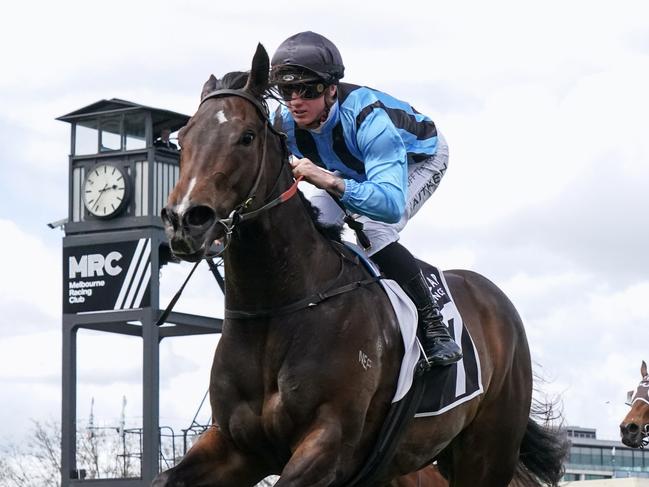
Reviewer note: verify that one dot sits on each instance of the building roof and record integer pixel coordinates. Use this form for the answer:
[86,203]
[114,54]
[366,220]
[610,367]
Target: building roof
[599,443]
[161,118]
[580,436]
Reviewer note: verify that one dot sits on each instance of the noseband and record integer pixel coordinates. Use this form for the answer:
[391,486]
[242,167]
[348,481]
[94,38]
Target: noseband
[237,215]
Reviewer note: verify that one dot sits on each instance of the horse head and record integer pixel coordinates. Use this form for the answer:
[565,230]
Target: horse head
[224,151]
[634,429]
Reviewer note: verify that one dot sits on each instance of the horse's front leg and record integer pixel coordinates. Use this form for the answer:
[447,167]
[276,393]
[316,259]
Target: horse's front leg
[213,461]
[317,459]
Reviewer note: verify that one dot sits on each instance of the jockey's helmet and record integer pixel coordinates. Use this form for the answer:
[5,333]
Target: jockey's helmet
[306,57]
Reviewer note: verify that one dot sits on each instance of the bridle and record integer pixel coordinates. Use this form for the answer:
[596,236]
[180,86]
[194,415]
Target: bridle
[644,387]
[238,214]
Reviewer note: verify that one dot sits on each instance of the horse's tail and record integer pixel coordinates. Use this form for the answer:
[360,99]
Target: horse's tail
[543,450]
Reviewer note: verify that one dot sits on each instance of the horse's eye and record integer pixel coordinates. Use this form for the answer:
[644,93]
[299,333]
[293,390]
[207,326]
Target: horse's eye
[247,138]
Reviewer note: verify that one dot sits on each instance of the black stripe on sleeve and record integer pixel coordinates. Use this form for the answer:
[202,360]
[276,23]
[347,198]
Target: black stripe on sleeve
[414,157]
[422,130]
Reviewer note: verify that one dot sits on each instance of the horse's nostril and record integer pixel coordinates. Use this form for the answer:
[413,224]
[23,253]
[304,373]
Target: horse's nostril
[632,428]
[199,216]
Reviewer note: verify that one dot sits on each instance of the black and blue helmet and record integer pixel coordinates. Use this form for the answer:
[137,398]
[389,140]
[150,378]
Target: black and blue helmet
[307,57]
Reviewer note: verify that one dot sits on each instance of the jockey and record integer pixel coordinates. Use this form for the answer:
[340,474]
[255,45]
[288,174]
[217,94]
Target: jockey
[377,154]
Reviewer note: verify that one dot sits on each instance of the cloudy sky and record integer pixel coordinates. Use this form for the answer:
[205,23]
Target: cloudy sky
[545,106]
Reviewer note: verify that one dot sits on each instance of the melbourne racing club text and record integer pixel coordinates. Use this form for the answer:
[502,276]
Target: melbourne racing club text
[91,265]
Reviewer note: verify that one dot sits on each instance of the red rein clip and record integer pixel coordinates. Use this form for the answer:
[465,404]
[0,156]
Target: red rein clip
[290,192]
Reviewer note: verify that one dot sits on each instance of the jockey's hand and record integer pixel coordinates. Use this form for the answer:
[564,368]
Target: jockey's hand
[319,177]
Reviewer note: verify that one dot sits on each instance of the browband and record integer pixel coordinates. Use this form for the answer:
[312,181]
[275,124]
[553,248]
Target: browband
[261,108]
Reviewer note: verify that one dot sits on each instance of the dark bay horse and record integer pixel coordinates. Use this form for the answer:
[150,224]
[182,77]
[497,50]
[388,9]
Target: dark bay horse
[289,392]
[634,428]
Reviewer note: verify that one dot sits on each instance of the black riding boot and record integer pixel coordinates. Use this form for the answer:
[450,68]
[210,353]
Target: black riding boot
[439,347]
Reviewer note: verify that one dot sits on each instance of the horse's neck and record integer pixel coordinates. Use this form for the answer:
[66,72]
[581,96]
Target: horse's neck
[278,257]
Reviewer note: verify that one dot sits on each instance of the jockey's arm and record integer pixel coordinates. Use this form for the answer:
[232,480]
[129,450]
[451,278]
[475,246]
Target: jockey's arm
[319,177]
[382,196]
[378,200]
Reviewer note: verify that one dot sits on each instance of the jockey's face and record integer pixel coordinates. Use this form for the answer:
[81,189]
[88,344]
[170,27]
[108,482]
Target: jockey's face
[309,113]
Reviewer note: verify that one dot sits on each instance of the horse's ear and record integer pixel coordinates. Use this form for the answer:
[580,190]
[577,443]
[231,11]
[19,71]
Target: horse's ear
[258,78]
[209,86]
[643,369]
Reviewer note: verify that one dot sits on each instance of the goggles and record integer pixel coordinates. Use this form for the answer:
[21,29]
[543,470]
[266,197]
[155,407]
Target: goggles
[306,91]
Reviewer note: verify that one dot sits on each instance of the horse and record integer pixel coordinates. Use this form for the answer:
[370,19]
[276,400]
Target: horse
[634,428]
[305,370]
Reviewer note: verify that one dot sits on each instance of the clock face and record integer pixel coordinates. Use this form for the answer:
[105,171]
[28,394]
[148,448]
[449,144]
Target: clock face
[105,190]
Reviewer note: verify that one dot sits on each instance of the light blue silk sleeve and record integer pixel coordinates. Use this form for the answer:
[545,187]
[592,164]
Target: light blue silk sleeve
[382,196]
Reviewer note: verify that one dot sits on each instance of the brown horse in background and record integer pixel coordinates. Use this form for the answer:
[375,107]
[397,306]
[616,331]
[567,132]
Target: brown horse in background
[426,477]
[634,428]
[288,391]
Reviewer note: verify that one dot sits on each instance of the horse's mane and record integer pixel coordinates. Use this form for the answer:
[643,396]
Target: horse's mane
[234,80]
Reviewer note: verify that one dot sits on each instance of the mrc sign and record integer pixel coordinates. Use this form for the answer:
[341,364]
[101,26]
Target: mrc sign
[107,277]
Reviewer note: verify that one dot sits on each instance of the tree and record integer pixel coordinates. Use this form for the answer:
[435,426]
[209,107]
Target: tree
[102,452]
[37,463]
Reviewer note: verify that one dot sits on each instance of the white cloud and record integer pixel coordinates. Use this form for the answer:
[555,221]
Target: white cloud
[30,386]
[589,346]
[31,275]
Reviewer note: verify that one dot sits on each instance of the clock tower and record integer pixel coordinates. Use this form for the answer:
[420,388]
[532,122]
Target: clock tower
[122,168]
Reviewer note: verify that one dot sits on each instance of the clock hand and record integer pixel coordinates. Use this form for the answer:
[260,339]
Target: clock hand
[101,193]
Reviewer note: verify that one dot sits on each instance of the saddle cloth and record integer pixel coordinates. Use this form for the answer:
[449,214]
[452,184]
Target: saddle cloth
[447,386]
